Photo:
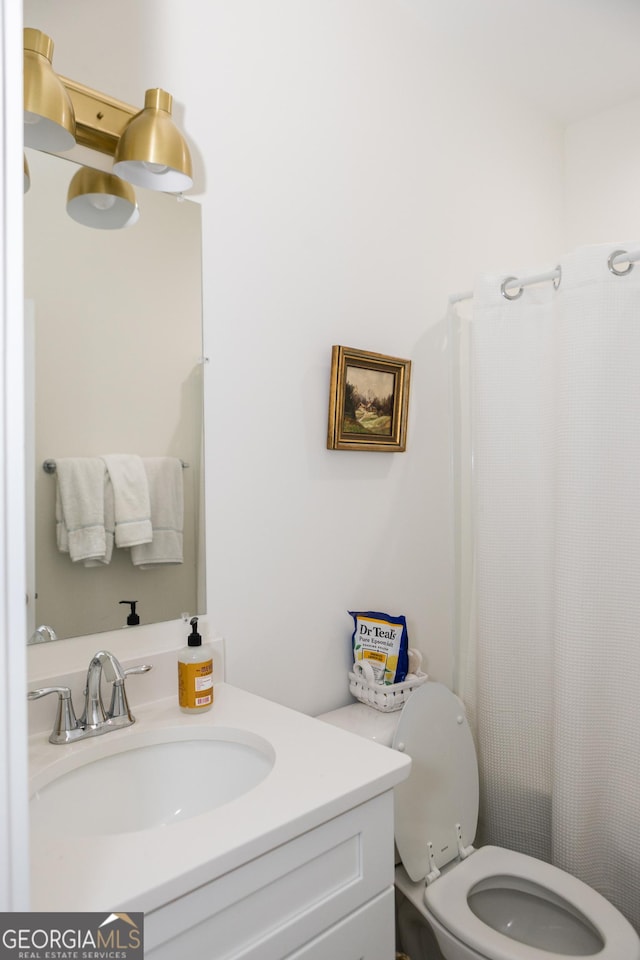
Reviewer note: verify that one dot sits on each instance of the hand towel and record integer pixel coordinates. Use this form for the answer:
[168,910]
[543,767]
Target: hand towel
[132,509]
[166,493]
[109,525]
[80,507]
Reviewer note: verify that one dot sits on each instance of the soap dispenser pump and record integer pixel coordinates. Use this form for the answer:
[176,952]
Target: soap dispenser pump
[195,674]
[133,619]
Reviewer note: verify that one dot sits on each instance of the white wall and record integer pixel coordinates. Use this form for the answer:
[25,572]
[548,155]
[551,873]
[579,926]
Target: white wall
[353,173]
[603,189]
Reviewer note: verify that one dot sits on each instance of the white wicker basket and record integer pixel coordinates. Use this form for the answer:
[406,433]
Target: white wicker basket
[384,697]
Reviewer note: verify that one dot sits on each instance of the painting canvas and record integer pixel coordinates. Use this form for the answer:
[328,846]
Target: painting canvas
[368,401]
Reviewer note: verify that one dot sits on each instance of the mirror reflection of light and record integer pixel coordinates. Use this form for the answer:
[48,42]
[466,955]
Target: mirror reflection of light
[101,201]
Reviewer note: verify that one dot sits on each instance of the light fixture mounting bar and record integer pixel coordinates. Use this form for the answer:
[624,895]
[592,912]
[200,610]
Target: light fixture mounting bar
[100,119]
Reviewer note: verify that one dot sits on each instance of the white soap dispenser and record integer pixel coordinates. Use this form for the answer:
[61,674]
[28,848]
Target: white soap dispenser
[195,674]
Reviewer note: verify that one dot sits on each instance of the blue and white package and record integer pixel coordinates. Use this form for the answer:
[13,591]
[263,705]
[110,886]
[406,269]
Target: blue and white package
[382,642]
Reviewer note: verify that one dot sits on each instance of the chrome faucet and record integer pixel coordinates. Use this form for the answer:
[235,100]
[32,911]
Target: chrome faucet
[94,715]
[43,634]
[95,720]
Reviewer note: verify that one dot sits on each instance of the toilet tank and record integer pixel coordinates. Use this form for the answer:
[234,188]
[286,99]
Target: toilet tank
[365,721]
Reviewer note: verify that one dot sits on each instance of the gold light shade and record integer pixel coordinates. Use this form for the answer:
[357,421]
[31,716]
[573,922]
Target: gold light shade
[49,119]
[101,200]
[151,152]
[27,175]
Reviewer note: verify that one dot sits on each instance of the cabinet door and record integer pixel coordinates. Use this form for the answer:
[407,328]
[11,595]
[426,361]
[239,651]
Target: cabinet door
[267,908]
[366,934]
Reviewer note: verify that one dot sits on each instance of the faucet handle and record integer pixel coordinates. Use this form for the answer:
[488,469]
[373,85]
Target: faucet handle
[64,693]
[139,668]
[65,723]
[119,706]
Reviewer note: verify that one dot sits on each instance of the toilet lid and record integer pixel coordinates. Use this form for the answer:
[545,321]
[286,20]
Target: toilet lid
[442,788]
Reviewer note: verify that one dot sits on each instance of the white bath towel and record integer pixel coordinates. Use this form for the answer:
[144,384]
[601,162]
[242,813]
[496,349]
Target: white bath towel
[166,493]
[80,507]
[132,507]
[109,525]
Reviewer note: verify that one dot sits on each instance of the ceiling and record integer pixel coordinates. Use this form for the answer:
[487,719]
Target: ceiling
[573,58]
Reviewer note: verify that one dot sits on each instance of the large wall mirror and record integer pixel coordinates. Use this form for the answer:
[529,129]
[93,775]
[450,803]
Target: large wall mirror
[114,365]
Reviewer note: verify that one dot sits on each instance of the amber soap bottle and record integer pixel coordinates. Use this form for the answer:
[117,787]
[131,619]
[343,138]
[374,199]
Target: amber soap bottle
[195,674]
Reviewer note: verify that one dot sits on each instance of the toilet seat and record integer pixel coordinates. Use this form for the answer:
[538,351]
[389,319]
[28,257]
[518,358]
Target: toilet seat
[447,900]
[436,807]
[436,811]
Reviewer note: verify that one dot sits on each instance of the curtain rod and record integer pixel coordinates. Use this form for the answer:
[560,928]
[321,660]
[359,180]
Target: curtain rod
[512,287]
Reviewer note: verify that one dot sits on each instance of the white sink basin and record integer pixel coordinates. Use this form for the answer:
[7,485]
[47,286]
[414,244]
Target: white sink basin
[147,780]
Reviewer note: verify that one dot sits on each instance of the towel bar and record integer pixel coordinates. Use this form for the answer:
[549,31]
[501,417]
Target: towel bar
[49,466]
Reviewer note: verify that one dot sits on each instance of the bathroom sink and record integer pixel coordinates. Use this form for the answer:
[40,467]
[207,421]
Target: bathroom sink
[150,780]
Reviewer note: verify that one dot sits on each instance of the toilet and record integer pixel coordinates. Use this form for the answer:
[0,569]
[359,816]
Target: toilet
[479,904]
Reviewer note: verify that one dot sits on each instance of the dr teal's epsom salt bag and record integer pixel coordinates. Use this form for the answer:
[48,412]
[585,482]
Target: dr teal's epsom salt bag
[382,642]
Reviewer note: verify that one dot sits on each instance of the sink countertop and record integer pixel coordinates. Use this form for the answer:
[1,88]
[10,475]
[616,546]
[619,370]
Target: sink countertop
[320,772]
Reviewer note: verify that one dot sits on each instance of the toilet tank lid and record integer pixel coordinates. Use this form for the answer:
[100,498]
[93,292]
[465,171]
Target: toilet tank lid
[365,721]
[442,788]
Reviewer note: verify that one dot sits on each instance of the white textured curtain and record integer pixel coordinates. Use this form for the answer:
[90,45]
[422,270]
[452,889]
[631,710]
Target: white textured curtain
[555,651]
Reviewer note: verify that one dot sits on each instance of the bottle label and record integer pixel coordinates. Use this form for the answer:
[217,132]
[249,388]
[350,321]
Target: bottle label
[195,684]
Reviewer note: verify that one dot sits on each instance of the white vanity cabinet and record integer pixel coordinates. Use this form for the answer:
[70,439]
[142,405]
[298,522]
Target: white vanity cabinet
[325,894]
[300,865]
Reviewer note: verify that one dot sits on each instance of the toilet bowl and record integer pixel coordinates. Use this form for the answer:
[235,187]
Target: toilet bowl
[480,904]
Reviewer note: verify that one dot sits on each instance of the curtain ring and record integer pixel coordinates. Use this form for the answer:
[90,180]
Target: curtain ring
[557,280]
[504,291]
[614,269]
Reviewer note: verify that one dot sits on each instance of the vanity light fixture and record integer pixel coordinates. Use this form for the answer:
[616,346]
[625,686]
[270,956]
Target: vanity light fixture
[147,147]
[101,200]
[49,118]
[151,152]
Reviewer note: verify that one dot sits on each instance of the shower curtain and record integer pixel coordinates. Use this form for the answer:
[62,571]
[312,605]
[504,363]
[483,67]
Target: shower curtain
[553,685]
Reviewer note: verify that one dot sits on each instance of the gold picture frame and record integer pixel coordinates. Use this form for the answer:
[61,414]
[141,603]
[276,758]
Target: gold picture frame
[368,401]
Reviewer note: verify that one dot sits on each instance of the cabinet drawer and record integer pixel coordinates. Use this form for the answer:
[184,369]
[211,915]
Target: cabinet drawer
[367,934]
[267,908]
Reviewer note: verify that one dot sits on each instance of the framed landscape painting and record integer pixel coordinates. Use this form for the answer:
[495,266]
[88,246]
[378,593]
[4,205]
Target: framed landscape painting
[368,401]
